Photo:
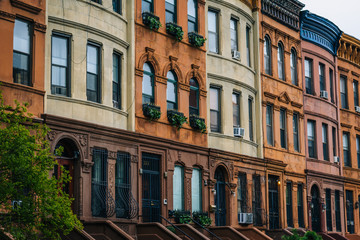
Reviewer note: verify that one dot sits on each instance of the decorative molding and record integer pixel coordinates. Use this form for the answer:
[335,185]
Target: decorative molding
[86,166]
[203,93]
[349,50]
[270,95]
[26,6]
[297,105]
[134,158]
[40,27]
[161,79]
[232,81]
[346,125]
[7,16]
[236,8]
[184,87]
[51,135]
[112,155]
[284,97]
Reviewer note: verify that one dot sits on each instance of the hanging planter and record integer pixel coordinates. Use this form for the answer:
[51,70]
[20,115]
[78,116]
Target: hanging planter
[151,20]
[177,119]
[198,123]
[152,112]
[175,30]
[196,39]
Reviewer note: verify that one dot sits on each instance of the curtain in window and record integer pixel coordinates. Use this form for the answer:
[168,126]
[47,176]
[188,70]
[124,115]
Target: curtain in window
[178,188]
[196,197]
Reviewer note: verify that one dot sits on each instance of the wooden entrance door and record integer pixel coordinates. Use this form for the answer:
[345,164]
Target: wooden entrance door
[68,164]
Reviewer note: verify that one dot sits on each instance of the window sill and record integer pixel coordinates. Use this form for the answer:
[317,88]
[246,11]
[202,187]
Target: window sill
[221,135]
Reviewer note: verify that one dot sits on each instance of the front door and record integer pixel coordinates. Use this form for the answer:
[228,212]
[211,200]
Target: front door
[315,209]
[273,202]
[220,198]
[350,211]
[68,165]
[151,187]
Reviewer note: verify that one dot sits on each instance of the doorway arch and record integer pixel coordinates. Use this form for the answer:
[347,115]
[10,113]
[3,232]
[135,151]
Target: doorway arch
[315,209]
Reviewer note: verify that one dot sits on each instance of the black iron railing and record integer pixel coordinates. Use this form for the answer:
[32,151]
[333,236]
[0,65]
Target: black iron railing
[126,205]
[103,204]
[178,229]
[207,230]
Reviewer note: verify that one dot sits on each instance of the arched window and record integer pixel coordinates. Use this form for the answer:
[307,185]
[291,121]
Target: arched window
[267,55]
[194,97]
[280,56]
[192,15]
[293,66]
[171,91]
[148,84]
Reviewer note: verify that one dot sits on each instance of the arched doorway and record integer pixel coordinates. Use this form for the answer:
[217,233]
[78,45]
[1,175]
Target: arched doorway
[315,209]
[67,160]
[220,198]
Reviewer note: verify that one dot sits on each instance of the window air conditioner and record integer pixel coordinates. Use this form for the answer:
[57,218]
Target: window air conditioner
[324,94]
[357,109]
[245,218]
[236,54]
[336,159]
[239,132]
[115,104]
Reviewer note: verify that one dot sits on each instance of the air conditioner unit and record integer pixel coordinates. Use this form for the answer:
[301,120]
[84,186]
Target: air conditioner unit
[245,218]
[115,104]
[236,54]
[239,132]
[324,94]
[336,159]
[357,109]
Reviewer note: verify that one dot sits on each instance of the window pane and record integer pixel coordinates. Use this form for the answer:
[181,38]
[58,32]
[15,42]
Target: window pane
[92,59]
[21,61]
[196,196]
[236,109]
[146,6]
[22,36]
[212,31]
[147,85]
[170,11]
[178,188]
[248,51]
[192,8]
[293,67]
[214,98]
[58,76]
[59,51]
[280,62]
[322,77]
[233,34]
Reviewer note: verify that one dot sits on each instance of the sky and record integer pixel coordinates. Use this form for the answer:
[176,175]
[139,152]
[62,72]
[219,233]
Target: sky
[345,14]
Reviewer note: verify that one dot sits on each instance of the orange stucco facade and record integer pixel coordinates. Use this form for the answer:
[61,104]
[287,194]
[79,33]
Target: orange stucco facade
[32,12]
[349,69]
[165,53]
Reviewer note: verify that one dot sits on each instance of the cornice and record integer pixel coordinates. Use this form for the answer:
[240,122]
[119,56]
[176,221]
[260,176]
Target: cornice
[320,31]
[236,8]
[349,49]
[232,81]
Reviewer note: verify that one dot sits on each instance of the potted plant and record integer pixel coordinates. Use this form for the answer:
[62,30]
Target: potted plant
[198,123]
[202,218]
[151,20]
[175,30]
[182,217]
[151,111]
[177,119]
[196,39]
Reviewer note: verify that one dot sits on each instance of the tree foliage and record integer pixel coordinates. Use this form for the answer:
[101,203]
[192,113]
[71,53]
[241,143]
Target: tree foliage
[309,235]
[42,209]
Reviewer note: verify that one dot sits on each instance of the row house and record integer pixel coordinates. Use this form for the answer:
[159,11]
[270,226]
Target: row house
[325,186]
[283,113]
[348,92]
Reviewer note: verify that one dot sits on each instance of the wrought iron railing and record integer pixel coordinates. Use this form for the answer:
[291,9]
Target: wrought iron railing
[178,229]
[201,226]
[126,205]
[103,204]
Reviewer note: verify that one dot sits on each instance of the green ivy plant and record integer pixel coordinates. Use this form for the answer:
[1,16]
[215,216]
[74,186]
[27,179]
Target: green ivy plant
[182,217]
[176,119]
[153,22]
[175,30]
[196,40]
[198,123]
[310,235]
[151,112]
[202,218]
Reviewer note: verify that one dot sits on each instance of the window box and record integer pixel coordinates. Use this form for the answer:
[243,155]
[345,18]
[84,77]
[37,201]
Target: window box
[175,30]
[177,119]
[151,20]
[180,216]
[202,218]
[196,39]
[151,111]
[198,123]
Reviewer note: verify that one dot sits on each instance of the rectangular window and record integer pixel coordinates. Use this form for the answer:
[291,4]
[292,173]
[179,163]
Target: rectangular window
[170,11]
[308,76]
[117,6]
[283,128]
[60,65]
[99,182]
[322,77]
[233,34]
[343,92]
[93,73]
[356,92]
[350,211]
[346,149]
[123,185]
[269,125]
[196,196]
[325,144]
[192,16]
[331,80]
[337,211]
[241,193]
[328,209]
[251,127]
[236,109]
[311,138]
[300,205]
[289,211]
[147,6]
[248,46]
[178,188]
[22,52]
[296,131]
[213,31]
[358,150]
[214,109]
[334,140]
[116,80]
[256,201]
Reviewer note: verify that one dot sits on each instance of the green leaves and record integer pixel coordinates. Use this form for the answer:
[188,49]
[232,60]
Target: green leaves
[43,209]
[198,123]
[175,30]
[152,21]
[310,235]
[152,112]
[196,39]
[176,119]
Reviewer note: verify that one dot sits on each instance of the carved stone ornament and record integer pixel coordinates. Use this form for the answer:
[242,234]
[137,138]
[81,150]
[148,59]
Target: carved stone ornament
[112,155]
[7,15]
[40,27]
[211,183]
[51,135]
[86,166]
[134,158]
